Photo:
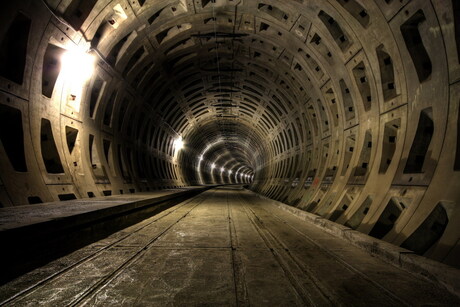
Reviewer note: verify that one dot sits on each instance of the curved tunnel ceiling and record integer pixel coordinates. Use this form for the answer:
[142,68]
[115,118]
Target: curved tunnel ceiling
[344,108]
[225,80]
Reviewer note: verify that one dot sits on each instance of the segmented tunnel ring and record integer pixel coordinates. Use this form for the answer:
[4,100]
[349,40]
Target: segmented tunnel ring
[347,109]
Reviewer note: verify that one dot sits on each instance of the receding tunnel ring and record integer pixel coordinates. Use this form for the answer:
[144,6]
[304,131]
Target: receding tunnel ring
[347,109]
[227,143]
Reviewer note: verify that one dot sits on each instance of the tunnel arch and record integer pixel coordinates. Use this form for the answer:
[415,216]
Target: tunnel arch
[346,109]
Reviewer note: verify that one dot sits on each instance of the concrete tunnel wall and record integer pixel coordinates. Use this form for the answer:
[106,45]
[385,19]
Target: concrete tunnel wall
[345,108]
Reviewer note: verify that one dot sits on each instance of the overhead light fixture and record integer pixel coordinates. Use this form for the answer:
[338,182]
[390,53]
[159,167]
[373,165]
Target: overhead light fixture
[77,67]
[178,144]
[213,166]
[222,169]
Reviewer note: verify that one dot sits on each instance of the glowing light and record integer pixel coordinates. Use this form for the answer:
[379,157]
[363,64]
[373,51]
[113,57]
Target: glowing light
[213,166]
[230,172]
[201,158]
[222,169]
[77,65]
[178,144]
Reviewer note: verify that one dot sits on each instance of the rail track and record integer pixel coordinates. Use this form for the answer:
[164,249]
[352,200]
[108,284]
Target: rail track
[257,255]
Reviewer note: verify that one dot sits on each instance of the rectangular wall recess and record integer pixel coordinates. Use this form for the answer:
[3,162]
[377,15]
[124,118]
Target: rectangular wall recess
[50,153]
[12,137]
[428,232]
[390,135]
[13,49]
[387,75]
[96,94]
[356,10]
[421,142]
[411,34]
[388,218]
[335,30]
[77,12]
[359,215]
[51,68]
[71,137]
[362,81]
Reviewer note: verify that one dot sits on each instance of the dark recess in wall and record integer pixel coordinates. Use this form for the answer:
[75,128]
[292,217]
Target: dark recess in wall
[77,12]
[356,10]
[335,30]
[12,137]
[50,153]
[362,81]
[388,218]
[428,232]
[113,54]
[390,135]
[387,74]
[414,43]
[71,137]
[51,68]
[34,200]
[68,196]
[133,60]
[421,143]
[359,215]
[95,95]
[13,49]
[109,109]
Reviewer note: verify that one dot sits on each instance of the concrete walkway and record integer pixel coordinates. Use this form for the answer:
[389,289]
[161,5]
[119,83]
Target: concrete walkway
[33,235]
[224,247]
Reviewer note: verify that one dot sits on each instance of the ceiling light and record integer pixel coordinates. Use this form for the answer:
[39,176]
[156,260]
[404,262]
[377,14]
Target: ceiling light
[178,144]
[77,66]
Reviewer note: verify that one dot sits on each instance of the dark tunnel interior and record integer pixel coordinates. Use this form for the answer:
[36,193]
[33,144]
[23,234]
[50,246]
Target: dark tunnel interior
[348,109]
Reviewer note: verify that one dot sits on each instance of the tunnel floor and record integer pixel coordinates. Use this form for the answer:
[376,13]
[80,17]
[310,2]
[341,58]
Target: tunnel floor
[224,247]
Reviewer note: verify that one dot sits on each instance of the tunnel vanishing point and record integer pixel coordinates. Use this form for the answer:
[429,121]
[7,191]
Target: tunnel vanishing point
[347,109]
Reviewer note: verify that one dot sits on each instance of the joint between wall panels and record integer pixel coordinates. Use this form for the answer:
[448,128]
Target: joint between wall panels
[13,95]
[78,121]
[353,56]
[393,109]
[350,127]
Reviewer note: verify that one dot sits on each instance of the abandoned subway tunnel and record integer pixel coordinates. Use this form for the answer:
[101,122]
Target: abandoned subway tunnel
[345,112]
